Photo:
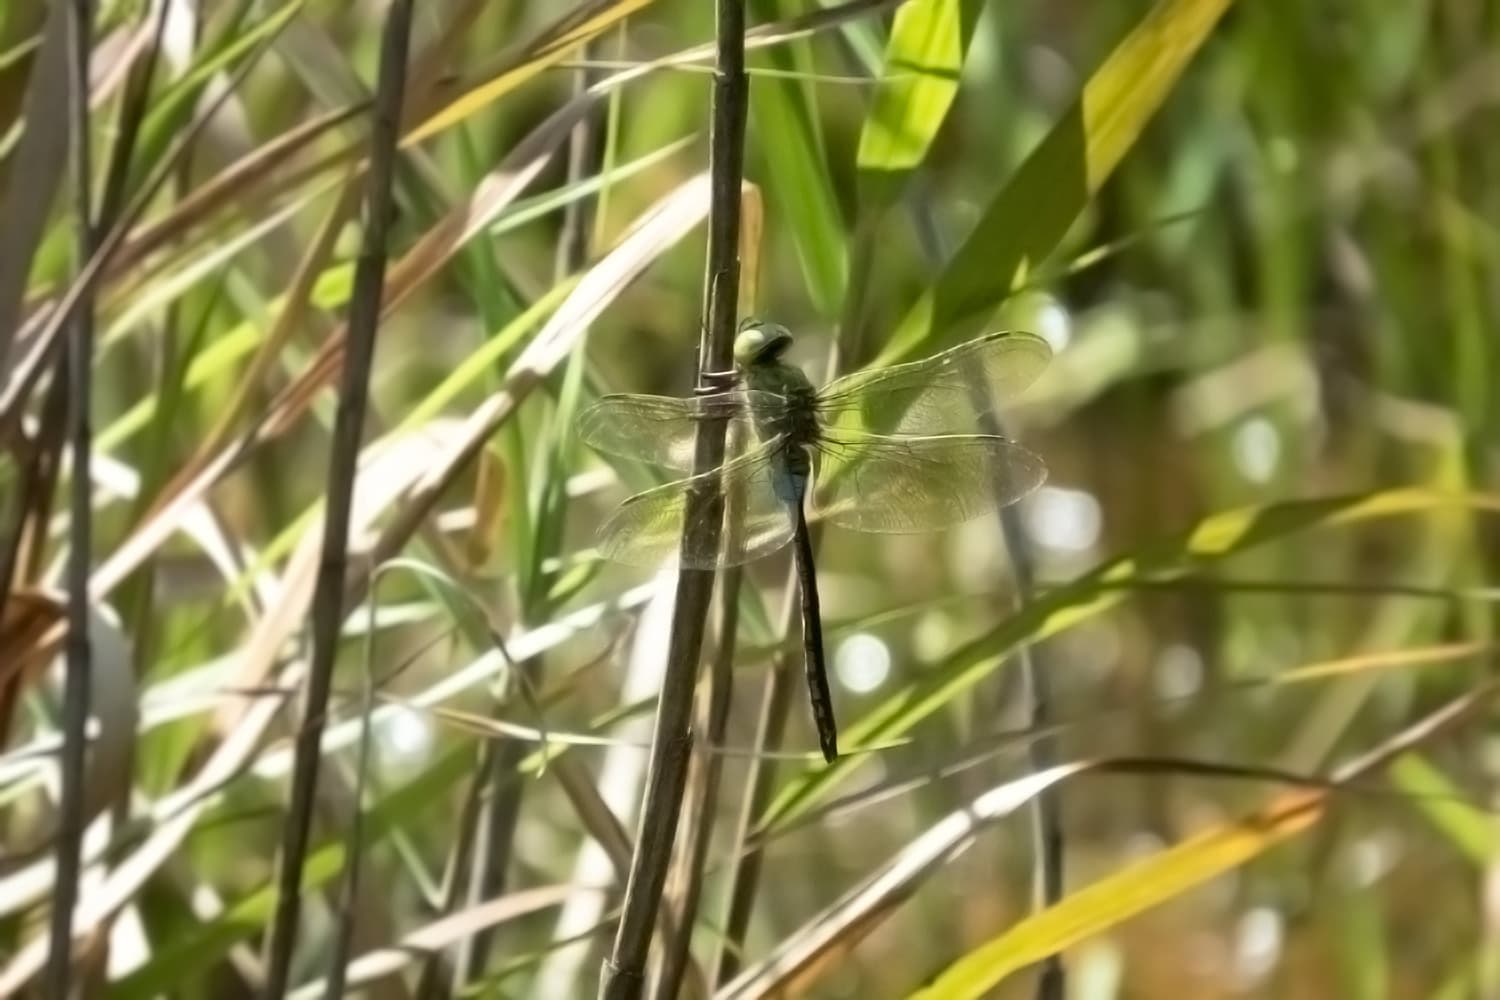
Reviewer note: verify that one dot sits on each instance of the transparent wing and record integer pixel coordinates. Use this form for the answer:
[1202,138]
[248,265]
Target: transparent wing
[870,482]
[647,529]
[658,430]
[943,394]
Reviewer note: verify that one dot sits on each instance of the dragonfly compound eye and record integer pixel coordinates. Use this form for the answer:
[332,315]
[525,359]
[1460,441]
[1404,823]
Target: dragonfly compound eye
[759,343]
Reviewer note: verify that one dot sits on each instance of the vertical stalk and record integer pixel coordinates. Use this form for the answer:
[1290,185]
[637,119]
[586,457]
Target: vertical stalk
[685,881]
[761,771]
[78,362]
[1046,808]
[624,971]
[434,979]
[685,885]
[760,785]
[328,595]
[138,602]
[354,844]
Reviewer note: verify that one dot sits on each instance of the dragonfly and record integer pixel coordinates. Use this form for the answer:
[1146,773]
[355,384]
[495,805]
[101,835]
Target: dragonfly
[900,449]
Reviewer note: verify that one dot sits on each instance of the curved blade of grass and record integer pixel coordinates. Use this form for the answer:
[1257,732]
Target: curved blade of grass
[987,746]
[578,26]
[799,956]
[1169,873]
[923,59]
[807,953]
[1027,218]
[1065,606]
[1116,897]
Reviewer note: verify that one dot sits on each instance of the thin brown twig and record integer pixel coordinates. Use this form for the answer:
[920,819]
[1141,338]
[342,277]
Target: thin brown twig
[134,106]
[685,882]
[760,786]
[431,984]
[78,359]
[1046,809]
[623,974]
[685,887]
[328,595]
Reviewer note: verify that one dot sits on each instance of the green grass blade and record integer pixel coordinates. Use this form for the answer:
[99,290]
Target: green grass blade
[1129,891]
[924,58]
[1024,222]
[558,41]
[1469,828]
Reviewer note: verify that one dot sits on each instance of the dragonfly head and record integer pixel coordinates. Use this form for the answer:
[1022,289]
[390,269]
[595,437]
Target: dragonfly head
[760,343]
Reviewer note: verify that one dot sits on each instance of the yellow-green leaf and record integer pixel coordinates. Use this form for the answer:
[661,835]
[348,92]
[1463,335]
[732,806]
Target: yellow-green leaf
[1124,894]
[1029,216]
[923,60]
[560,39]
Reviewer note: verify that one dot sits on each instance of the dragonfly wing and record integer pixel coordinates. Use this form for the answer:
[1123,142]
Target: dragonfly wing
[647,529]
[661,430]
[870,482]
[943,394]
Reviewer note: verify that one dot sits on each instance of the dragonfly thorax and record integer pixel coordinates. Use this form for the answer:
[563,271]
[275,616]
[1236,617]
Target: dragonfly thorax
[785,404]
[784,410]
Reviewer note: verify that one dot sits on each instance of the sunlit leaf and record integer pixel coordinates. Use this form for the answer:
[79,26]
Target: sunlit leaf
[1122,895]
[562,38]
[1027,218]
[923,61]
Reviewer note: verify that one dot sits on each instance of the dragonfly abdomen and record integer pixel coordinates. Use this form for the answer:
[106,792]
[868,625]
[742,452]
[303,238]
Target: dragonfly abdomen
[793,470]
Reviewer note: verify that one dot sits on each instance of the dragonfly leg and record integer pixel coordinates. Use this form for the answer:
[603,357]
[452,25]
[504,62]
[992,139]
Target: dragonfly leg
[710,383]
